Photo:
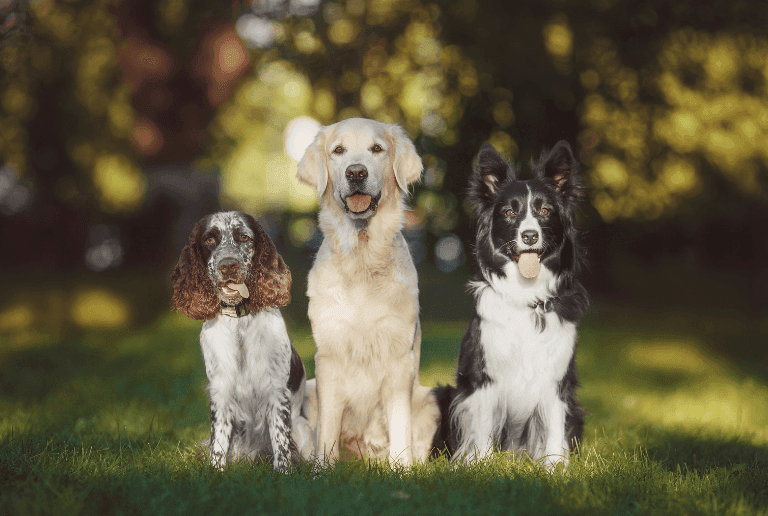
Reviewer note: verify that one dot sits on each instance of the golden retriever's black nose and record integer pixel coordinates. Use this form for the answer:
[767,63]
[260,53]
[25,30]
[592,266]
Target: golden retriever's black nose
[530,237]
[228,266]
[356,172]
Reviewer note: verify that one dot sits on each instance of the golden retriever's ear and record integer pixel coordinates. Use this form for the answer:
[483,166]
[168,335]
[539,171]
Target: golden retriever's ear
[312,167]
[406,161]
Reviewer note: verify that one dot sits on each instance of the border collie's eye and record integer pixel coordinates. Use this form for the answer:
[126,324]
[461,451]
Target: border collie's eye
[510,213]
[376,148]
[338,150]
[210,240]
[544,211]
[244,238]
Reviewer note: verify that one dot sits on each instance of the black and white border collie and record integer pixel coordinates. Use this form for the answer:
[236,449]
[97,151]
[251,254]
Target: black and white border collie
[516,378]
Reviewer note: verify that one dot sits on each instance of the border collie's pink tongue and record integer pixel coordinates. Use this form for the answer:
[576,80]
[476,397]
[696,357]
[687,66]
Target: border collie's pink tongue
[529,264]
[358,203]
[236,288]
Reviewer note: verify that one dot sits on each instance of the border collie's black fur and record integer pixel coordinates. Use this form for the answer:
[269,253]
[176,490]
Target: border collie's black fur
[516,380]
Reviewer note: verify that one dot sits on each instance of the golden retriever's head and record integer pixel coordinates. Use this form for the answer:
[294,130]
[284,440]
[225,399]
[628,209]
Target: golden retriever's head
[358,157]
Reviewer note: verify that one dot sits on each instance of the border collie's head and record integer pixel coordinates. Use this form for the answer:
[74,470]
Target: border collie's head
[526,222]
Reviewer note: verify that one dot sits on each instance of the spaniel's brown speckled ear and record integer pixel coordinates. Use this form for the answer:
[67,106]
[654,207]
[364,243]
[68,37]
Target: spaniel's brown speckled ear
[270,279]
[193,291]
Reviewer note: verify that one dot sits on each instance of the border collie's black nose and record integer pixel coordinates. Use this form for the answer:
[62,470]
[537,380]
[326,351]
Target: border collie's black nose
[530,236]
[356,172]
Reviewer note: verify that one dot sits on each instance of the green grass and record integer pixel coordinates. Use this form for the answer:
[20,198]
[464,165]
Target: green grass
[106,422]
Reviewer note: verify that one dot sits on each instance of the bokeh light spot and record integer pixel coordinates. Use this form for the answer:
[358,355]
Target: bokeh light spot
[341,32]
[299,135]
[100,308]
[302,230]
[612,173]
[17,317]
[558,38]
[121,185]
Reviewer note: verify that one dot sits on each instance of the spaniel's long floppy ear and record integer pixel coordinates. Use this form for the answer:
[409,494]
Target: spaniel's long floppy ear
[405,161]
[490,171]
[193,291]
[269,281]
[559,166]
[313,169]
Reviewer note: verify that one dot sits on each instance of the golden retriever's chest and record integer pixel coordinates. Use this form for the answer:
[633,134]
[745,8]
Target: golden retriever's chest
[361,315]
[368,296]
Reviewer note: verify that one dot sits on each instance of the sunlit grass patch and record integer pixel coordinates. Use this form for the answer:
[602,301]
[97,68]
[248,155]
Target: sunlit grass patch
[676,383]
[680,355]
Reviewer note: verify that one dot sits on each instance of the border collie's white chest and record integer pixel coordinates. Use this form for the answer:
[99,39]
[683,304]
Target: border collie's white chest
[523,362]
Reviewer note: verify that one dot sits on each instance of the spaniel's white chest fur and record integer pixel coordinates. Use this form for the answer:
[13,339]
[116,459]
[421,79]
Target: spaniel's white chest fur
[246,358]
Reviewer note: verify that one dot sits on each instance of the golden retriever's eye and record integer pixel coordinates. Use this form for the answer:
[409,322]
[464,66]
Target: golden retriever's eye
[376,148]
[210,240]
[510,213]
[338,150]
[544,211]
[244,238]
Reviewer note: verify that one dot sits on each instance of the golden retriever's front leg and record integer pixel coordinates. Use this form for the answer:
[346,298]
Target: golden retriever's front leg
[397,392]
[329,409]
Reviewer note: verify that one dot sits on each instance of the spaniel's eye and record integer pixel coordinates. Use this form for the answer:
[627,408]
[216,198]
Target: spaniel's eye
[338,150]
[244,238]
[376,148]
[544,211]
[210,240]
[510,213]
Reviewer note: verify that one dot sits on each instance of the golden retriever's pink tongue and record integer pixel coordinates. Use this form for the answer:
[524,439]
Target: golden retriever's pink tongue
[529,264]
[240,288]
[358,203]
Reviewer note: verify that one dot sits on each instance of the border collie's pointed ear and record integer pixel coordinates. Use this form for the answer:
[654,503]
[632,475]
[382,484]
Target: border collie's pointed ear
[313,170]
[406,161]
[490,170]
[560,166]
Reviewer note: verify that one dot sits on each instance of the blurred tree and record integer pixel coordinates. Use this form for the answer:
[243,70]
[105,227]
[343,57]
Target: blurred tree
[663,101]
[59,82]
[95,92]
[666,102]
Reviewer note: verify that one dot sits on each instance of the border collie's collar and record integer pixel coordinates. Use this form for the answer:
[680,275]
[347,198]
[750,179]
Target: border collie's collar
[239,310]
[540,309]
[542,306]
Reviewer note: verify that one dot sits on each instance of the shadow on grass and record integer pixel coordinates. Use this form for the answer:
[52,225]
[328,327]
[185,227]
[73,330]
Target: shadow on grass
[31,374]
[678,450]
[725,335]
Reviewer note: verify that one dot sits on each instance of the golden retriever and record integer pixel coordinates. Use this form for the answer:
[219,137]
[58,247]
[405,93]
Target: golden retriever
[363,297]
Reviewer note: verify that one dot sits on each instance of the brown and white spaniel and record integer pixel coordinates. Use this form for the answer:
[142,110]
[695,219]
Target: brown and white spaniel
[231,276]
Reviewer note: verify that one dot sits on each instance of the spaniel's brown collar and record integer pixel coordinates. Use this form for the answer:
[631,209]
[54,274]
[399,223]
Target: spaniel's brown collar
[239,310]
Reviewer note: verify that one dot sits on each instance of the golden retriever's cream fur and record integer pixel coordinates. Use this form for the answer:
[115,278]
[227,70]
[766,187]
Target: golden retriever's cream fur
[363,298]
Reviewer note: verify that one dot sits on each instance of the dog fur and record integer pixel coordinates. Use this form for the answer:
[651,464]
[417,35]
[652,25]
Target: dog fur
[256,379]
[363,297]
[516,378]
